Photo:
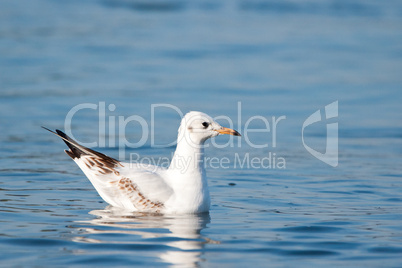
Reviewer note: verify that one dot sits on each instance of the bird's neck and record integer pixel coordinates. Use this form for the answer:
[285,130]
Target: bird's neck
[188,159]
[186,175]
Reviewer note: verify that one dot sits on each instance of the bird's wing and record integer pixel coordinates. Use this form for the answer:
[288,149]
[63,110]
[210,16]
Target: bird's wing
[144,186]
[130,186]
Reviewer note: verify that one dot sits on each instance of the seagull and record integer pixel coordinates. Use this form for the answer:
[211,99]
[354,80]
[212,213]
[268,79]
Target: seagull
[180,189]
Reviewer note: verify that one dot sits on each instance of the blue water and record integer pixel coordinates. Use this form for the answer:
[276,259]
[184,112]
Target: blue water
[234,58]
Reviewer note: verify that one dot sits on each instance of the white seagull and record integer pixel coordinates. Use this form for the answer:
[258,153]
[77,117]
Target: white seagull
[181,188]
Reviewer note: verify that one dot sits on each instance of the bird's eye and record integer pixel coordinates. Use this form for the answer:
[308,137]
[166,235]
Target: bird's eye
[205,124]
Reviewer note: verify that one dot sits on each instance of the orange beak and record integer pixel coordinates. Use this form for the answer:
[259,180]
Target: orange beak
[225,130]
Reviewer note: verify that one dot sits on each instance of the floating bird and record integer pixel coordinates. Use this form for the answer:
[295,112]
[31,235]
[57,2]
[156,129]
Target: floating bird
[181,188]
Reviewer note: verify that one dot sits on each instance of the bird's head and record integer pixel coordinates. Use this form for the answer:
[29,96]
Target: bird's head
[197,127]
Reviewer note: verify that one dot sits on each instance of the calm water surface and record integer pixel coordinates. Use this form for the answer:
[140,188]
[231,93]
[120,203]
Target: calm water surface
[232,58]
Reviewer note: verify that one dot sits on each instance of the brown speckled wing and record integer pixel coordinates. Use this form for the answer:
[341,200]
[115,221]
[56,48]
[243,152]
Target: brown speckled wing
[100,165]
[132,192]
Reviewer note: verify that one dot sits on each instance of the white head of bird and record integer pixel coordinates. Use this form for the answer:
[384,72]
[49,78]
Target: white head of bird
[197,127]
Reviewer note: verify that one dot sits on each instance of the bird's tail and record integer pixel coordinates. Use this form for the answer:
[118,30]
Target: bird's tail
[77,150]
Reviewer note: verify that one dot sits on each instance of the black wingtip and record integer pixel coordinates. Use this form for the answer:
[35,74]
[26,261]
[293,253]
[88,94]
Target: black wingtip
[61,133]
[48,129]
[76,150]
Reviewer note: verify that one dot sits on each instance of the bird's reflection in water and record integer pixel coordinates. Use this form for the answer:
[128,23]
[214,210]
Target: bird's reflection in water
[183,231]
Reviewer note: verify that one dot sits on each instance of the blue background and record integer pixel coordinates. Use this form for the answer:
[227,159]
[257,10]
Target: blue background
[277,58]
